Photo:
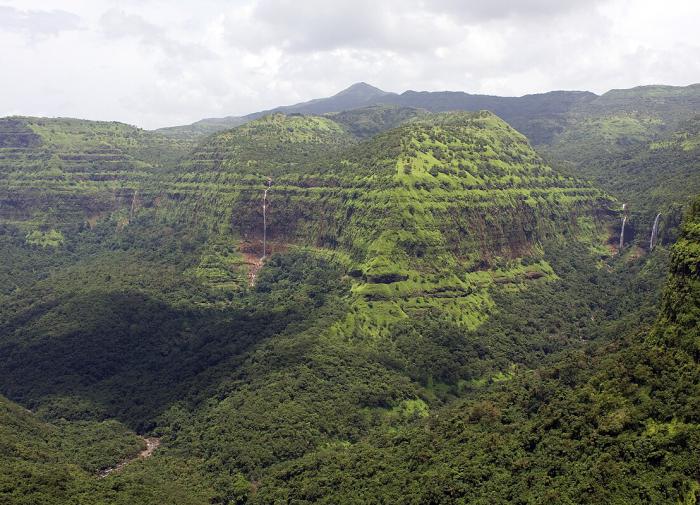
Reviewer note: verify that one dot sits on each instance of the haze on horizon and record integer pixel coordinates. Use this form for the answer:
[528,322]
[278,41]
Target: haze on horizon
[155,63]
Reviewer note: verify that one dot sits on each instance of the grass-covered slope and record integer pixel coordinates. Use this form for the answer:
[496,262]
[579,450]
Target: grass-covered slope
[614,422]
[275,144]
[671,104]
[55,172]
[421,210]
[622,119]
[641,146]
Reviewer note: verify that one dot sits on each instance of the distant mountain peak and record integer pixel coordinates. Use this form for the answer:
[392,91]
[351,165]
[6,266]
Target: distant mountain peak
[362,89]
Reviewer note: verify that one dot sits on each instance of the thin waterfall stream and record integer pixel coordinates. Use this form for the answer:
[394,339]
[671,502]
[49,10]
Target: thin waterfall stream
[256,262]
[264,206]
[654,232]
[622,231]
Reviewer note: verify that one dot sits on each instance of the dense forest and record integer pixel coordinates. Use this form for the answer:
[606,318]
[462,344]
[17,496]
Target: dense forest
[381,299]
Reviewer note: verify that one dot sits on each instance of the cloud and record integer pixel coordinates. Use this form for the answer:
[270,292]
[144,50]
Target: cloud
[317,25]
[117,24]
[37,22]
[476,11]
[163,62]
[390,25]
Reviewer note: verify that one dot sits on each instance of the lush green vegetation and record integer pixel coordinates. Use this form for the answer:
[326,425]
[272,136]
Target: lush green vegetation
[640,145]
[369,121]
[59,171]
[440,319]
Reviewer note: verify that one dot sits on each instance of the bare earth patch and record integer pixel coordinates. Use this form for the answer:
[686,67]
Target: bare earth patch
[152,444]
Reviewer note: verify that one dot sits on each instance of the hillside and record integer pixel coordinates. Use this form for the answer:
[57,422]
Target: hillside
[613,423]
[55,462]
[431,187]
[671,104]
[431,290]
[55,171]
[641,146]
[366,122]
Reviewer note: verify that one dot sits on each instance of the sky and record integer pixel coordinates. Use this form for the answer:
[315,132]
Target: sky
[156,63]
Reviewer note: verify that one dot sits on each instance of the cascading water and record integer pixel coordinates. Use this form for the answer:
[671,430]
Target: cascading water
[269,184]
[654,232]
[622,233]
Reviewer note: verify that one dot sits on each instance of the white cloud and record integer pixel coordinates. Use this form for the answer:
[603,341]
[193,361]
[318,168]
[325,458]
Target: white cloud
[37,22]
[157,62]
[116,23]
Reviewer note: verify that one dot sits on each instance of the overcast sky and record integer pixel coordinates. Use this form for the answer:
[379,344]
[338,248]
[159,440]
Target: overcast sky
[164,62]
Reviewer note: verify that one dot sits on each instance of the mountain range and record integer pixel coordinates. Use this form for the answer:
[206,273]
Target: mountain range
[539,116]
[426,297]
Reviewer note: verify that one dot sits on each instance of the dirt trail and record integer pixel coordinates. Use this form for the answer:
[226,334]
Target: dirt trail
[254,264]
[152,444]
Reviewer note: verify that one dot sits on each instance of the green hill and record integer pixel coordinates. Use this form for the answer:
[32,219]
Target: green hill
[57,171]
[613,423]
[463,191]
[440,317]
[641,146]
[366,122]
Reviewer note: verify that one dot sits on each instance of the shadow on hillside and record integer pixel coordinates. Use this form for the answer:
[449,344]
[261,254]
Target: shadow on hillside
[128,354]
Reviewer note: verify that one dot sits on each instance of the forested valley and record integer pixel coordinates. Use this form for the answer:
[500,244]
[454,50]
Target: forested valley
[422,298]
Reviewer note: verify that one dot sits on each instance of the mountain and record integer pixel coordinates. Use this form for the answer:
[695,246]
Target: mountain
[64,170]
[641,146]
[382,304]
[538,115]
[358,95]
[613,424]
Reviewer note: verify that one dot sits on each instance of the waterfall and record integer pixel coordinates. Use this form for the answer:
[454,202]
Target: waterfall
[654,232]
[622,234]
[269,184]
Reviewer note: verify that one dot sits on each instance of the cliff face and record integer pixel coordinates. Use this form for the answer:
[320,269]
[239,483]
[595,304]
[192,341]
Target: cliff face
[428,214]
[642,146]
[56,172]
[427,211]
